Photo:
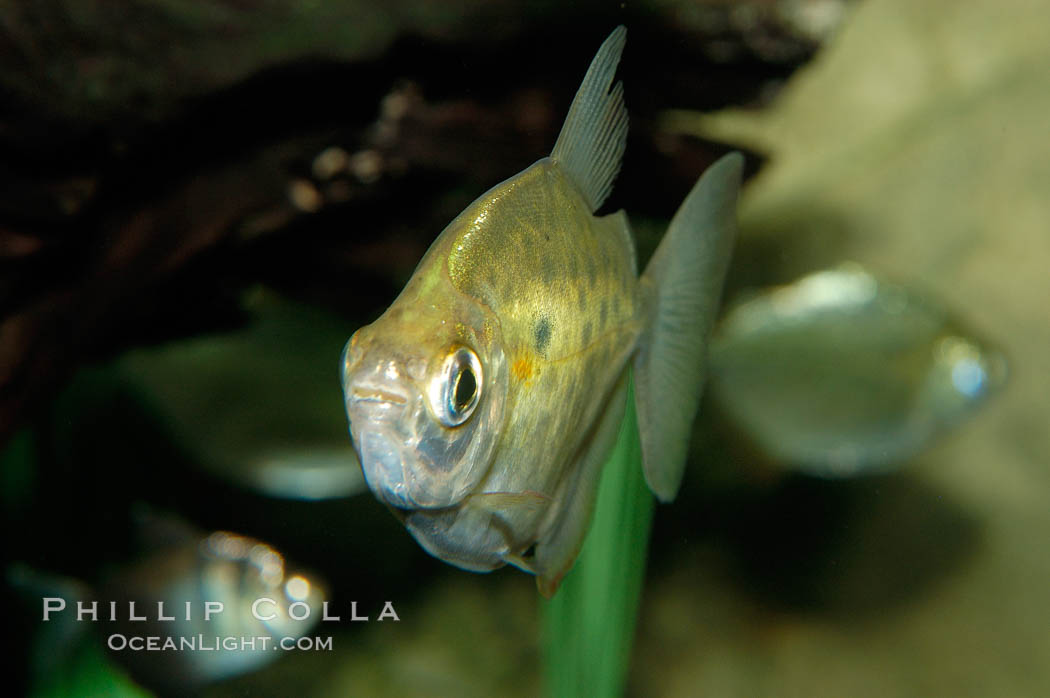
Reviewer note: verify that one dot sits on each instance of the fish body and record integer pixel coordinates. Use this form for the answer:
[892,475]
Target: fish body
[223,567]
[485,400]
[842,373]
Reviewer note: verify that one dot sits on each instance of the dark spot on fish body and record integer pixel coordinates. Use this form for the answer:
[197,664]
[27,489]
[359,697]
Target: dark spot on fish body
[573,268]
[594,360]
[542,335]
[591,269]
[581,293]
[585,337]
[603,313]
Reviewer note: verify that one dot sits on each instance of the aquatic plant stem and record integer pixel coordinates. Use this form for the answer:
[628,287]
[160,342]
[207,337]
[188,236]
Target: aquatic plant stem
[590,622]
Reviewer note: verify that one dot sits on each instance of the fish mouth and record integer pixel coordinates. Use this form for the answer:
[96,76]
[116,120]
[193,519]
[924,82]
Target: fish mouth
[379,396]
[408,461]
[373,403]
[377,416]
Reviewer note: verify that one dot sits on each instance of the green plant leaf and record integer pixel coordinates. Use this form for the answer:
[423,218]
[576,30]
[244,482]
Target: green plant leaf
[590,622]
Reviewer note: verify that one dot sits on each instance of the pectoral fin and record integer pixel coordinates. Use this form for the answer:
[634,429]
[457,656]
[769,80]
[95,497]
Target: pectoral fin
[509,503]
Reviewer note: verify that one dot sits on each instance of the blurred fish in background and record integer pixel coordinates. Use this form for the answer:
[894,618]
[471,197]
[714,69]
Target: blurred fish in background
[842,373]
[254,406]
[184,570]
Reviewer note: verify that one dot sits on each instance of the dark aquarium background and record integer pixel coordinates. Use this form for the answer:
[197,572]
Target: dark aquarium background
[201,201]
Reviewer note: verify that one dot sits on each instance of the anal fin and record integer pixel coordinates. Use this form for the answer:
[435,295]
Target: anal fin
[555,555]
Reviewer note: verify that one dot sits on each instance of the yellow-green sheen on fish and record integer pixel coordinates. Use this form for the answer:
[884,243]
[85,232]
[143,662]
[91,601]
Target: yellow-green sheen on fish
[484,402]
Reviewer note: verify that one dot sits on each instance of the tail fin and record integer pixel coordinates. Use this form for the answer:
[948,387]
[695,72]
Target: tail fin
[683,283]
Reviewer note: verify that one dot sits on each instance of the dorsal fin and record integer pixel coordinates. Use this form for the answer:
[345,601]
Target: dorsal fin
[591,143]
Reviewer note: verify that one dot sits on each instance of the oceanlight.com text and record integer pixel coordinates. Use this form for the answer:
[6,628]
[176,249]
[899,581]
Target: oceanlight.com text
[214,643]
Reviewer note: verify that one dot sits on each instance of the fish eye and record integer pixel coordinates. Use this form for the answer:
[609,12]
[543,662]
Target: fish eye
[456,390]
[466,387]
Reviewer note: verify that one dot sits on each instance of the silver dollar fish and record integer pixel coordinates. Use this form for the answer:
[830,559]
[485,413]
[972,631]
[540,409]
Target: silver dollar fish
[484,402]
[165,595]
[223,567]
[841,373]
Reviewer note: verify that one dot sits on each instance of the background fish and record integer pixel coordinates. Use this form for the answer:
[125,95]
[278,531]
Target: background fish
[484,401]
[183,566]
[217,395]
[841,373]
